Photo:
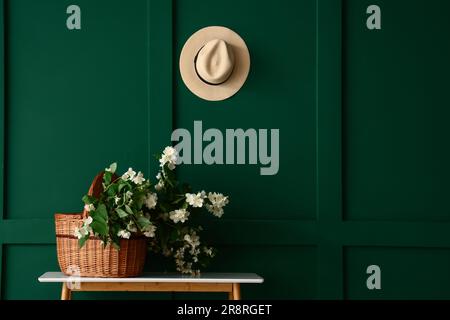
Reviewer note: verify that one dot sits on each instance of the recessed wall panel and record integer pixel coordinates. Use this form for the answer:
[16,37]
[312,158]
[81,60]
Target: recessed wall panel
[395,111]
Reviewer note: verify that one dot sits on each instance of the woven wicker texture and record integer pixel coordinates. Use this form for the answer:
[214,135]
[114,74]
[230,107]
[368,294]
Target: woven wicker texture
[94,260]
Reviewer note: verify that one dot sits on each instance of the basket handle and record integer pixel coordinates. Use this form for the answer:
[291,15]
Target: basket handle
[96,189]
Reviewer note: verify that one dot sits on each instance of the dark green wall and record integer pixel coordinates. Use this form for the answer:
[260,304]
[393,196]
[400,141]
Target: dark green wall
[362,117]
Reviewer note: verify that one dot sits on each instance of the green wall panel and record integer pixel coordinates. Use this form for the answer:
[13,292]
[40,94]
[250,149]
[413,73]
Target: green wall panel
[25,263]
[22,265]
[406,273]
[362,117]
[75,100]
[279,93]
[290,273]
[395,102]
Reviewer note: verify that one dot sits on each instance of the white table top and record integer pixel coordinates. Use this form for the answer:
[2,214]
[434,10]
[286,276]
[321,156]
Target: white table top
[161,277]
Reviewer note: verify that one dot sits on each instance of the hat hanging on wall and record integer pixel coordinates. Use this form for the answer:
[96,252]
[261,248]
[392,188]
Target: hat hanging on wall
[214,63]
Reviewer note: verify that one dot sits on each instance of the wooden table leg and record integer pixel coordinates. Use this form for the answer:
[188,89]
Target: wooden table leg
[66,293]
[236,291]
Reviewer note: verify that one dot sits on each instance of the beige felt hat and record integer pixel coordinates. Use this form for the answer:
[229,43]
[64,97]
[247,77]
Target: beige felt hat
[214,63]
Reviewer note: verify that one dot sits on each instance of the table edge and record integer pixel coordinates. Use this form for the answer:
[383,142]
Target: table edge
[257,280]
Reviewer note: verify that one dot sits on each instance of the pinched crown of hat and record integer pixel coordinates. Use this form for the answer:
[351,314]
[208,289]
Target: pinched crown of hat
[214,63]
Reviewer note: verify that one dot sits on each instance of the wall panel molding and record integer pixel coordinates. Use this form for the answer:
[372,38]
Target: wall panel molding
[2,135]
[329,232]
[328,146]
[282,232]
[160,76]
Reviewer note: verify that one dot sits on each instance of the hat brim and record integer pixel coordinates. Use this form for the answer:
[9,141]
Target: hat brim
[240,71]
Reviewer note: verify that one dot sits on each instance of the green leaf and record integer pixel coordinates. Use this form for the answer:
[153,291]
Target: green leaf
[107,178]
[97,217]
[140,201]
[143,222]
[100,220]
[122,185]
[99,227]
[112,190]
[88,199]
[128,209]
[101,211]
[121,213]
[81,241]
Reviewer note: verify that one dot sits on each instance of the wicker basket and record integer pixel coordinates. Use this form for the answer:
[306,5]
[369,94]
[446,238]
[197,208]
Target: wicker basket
[93,260]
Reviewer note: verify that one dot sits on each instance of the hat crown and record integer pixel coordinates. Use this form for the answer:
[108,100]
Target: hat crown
[215,62]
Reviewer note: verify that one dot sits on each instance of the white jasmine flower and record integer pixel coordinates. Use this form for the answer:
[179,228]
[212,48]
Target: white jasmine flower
[116,199]
[180,264]
[195,200]
[139,178]
[169,157]
[186,268]
[149,231]
[194,252]
[208,251]
[77,233]
[112,168]
[193,239]
[190,197]
[132,227]
[217,211]
[124,234]
[158,176]
[129,175]
[89,207]
[180,215]
[170,151]
[128,194]
[218,201]
[179,254]
[87,221]
[83,231]
[151,200]
[159,185]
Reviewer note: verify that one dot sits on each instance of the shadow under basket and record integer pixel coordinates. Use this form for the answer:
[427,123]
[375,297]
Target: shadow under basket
[94,260]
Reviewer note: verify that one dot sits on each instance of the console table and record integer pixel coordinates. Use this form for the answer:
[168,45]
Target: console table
[155,282]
